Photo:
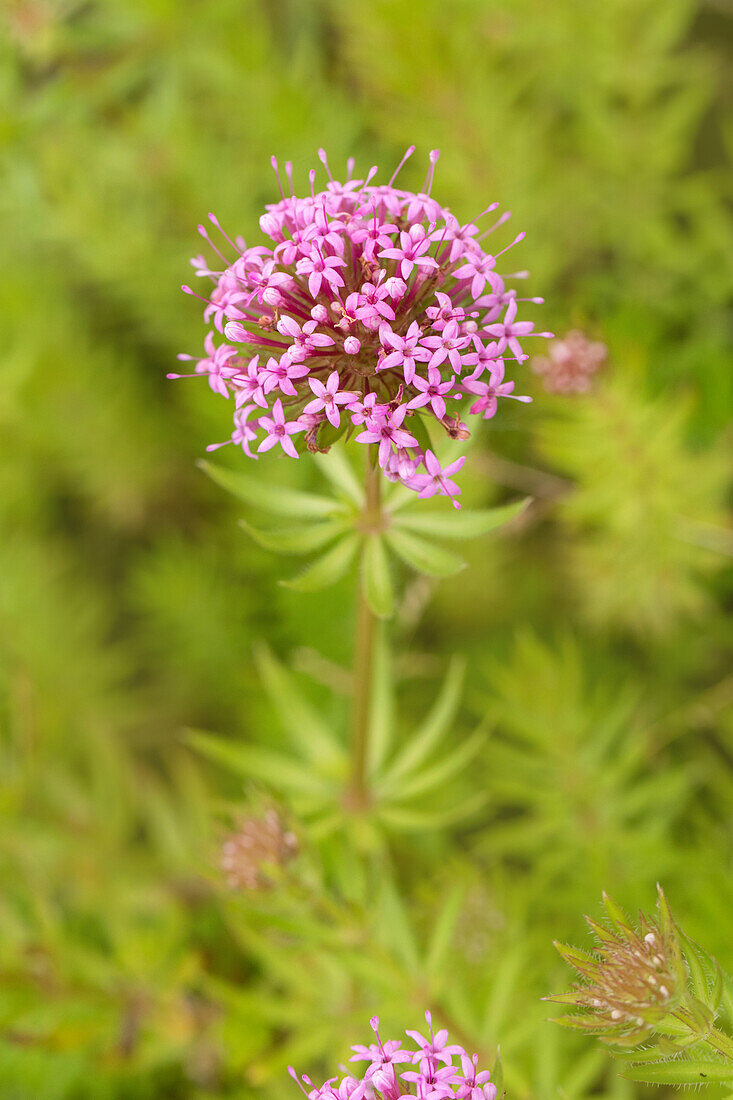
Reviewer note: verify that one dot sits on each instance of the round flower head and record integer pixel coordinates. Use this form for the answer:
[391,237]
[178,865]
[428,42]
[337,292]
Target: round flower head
[431,1069]
[370,309]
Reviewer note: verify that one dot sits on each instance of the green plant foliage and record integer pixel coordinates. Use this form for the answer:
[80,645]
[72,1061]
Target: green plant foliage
[553,712]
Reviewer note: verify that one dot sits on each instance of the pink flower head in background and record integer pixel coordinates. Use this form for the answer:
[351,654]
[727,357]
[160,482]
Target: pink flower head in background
[431,1070]
[571,363]
[362,311]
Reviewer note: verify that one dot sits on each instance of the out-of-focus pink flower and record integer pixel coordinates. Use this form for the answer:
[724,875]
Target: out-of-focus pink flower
[570,363]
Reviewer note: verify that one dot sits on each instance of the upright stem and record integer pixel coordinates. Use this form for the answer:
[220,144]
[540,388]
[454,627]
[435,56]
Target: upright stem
[364,648]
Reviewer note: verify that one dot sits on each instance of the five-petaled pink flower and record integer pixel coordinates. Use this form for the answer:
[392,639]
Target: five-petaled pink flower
[328,398]
[278,431]
[387,431]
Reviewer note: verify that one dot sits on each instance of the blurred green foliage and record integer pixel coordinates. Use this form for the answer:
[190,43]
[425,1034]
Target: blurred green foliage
[596,629]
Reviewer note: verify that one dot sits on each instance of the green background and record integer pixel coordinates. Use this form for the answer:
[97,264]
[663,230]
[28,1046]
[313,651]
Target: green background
[597,633]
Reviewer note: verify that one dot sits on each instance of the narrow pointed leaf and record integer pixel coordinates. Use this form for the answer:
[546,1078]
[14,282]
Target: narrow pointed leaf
[617,916]
[681,1073]
[423,556]
[419,783]
[301,540]
[381,716]
[459,525]
[443,932]
[376,582]
[252,762]
[276,499]
[433,727]
[409,820]
[328,435]
[497,1073]
[328,569]
[581,960]
[337,468]
[307,731]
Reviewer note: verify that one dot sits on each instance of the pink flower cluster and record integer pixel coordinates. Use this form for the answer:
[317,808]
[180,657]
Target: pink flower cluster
[436,1070]
[370,309]
[571,363]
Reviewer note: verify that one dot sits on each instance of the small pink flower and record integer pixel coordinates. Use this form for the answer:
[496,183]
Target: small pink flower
[278,431]
[488,392]
[432,392]
[448,344]
[413,248]
[438,480]
[508,330]
[320,269]
[403,351]
[282,374]
[328,398]
[387,431]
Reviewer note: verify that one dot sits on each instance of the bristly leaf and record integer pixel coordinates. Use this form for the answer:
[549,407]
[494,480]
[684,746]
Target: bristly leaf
[681,1072]
[326,570]
[423,556]
[581,960]
[276,499]
[616,915]
[299,540]
[459,525]
[376,582]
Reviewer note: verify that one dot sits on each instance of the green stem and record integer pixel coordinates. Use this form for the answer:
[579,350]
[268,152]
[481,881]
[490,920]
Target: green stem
[366,624]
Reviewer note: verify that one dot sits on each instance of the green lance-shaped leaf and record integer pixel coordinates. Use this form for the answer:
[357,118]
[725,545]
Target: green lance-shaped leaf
[382,709]
[443,934]
[497,1073]
[376,583]
[704,972]
[577,957]
[432,729]
[298,540]
[252,762]
[617,917]
[328,435]
[423,556]
[326,570]
[681,1072]
[276,499]
[407,819]
[459,525]
[337,468]
[307,731]
[420,782]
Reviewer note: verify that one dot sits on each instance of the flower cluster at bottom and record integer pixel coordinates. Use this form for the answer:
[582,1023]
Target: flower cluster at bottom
[370,308]
[435,1070]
